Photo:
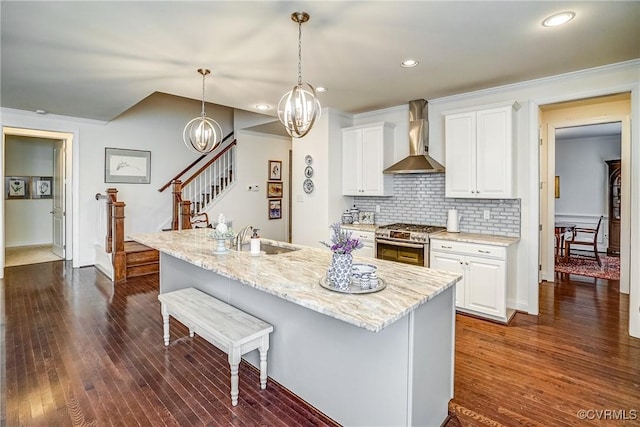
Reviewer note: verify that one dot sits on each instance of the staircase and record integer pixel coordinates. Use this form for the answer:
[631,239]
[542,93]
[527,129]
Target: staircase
[204,188]
[140,259]
[130,259]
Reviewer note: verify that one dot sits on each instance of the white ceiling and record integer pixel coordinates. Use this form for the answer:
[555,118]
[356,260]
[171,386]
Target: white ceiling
[97,59]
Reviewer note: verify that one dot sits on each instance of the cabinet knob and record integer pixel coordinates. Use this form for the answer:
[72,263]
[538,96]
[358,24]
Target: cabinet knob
[461,262]
[466,263]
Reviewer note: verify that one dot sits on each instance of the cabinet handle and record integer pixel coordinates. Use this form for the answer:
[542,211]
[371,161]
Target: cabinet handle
[484,252]
[445,247]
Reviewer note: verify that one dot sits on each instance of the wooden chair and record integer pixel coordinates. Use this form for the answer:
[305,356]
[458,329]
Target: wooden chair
[200,220]
[594,244]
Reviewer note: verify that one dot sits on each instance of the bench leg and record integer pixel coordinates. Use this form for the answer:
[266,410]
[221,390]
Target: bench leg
[165,324]
[263,361]
[234,361]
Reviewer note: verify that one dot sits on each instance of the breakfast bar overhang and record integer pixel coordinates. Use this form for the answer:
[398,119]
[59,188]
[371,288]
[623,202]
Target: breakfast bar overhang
[384,358]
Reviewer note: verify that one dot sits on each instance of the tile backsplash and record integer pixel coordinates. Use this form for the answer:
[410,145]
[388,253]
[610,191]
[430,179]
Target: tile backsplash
[419,199]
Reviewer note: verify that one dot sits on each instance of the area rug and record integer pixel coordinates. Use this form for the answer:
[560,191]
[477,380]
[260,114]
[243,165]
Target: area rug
[589,267]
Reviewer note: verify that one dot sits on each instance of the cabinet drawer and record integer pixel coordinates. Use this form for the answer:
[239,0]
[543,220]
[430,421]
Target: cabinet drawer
[474,249]
[363,235]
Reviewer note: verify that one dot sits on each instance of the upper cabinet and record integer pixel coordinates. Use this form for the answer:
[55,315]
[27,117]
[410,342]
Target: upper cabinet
[365,152]
[480,152]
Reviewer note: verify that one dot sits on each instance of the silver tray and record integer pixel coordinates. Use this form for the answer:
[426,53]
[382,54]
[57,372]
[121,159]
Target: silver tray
[354,287]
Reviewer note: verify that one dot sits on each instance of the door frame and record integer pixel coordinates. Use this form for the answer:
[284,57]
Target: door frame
[533,231]
[625,224]
[71,202]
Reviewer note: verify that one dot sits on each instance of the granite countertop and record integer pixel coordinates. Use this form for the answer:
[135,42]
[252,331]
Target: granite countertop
[294,276]
[486,239]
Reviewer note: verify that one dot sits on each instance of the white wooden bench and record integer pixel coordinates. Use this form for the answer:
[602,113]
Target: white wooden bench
[231,330]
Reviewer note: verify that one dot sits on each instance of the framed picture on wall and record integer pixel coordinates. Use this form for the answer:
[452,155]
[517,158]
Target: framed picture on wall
[275,209]
[275,170]
[274,189]
[41,187]
[16,187]
[127,166]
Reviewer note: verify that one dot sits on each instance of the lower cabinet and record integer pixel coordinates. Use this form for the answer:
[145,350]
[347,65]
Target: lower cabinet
[487,283]
[368,242]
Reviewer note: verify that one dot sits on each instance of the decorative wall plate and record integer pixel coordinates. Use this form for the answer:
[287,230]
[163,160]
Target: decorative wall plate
[308,172]
[308,159]
[307,185]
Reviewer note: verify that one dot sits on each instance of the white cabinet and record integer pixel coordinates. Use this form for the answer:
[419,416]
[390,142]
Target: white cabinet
[368,241]
[487,287]
[480,152]
[366,151]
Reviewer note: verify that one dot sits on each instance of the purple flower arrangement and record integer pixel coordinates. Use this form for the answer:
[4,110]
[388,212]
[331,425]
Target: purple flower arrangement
[341,241]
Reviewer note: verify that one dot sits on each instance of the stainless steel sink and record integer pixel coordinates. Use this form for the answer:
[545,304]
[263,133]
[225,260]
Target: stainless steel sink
[269,249]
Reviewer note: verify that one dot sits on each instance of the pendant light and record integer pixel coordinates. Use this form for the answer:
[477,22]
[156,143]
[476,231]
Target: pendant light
[202,134]
[299,108]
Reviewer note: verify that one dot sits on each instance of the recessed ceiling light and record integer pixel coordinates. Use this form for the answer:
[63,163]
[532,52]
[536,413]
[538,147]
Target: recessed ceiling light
[558,19]
[409,63]
[263,107]
[41,112]
[321,89]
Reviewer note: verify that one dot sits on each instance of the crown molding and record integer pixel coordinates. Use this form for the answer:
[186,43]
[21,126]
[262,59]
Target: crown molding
[535,82]
[53,117]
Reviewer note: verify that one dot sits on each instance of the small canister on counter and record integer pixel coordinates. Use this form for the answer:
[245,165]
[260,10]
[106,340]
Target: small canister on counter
[355,215]
[347,217]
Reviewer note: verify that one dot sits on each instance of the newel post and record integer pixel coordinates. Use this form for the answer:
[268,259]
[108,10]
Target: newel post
[177,198]
[112,196]
[119,255]
[185,214]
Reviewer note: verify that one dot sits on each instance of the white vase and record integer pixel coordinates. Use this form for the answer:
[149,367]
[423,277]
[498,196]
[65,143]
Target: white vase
[340,271]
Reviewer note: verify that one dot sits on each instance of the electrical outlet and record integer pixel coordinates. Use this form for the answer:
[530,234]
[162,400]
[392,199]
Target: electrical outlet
[377,208]
[487,214]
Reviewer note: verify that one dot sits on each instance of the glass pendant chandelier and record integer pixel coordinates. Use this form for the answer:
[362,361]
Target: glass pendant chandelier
[202,134]
[299,108]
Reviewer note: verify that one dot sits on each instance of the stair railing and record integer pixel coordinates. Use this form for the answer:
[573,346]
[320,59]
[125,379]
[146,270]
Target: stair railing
[180,174]
[203,187]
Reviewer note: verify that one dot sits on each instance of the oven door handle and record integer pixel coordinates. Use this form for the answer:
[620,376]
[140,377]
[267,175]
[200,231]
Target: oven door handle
[404,244]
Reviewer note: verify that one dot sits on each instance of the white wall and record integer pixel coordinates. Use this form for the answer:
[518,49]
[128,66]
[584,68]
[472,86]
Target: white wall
[28,221]
[245,207]
[613,79]
[584,181]
[314,212]
[155,124]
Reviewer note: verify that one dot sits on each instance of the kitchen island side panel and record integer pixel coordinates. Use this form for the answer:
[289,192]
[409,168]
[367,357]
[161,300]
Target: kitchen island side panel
[433,345]
[355,376]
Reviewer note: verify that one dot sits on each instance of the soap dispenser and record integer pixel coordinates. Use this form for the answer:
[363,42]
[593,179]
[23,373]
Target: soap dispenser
[255,242]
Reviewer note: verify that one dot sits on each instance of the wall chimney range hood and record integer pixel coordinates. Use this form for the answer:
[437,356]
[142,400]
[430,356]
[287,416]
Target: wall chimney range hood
[419,160]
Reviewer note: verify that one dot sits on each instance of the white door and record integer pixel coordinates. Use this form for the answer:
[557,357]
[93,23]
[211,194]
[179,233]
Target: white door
[58,212]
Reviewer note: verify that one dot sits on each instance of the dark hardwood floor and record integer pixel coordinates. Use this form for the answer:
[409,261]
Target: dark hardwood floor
[543,370]
[77,351]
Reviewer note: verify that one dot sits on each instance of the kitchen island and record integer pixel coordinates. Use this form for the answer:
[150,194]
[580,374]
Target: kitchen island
[383,358]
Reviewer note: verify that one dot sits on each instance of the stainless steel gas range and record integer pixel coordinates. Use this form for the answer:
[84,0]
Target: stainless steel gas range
[407,243]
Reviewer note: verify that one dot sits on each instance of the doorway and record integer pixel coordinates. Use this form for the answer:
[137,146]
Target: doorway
[553,117]
[35,224]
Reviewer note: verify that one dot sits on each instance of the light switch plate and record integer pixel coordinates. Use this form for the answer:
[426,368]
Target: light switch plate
[487,214]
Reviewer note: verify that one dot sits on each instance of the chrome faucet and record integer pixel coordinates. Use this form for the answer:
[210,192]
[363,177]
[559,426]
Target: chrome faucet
[241,236]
